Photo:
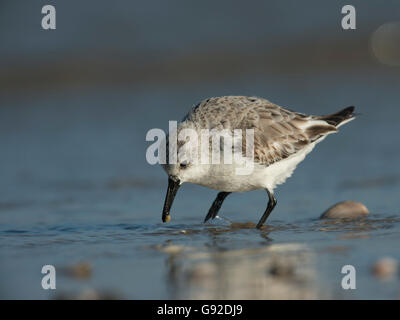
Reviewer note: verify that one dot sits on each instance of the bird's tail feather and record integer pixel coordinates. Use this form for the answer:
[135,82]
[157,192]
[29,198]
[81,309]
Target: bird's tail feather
[339,118]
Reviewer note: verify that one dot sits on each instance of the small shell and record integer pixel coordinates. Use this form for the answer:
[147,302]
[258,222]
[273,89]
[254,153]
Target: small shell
[346,209]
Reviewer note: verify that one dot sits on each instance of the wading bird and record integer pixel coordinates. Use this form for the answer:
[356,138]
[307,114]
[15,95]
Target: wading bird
[281,140]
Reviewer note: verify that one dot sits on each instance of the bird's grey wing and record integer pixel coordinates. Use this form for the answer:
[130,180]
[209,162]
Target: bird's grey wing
[280,133]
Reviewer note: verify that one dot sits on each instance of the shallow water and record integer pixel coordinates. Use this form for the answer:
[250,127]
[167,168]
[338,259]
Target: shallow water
[76,187]
[76,191]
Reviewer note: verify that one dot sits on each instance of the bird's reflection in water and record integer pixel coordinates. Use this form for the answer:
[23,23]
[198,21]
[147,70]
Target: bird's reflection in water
[282,271]
[226,267]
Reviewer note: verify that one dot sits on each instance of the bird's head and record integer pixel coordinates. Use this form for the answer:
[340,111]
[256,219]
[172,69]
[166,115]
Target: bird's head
[183,165]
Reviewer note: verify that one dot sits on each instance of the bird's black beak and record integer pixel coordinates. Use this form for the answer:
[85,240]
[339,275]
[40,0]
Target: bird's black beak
[173,186]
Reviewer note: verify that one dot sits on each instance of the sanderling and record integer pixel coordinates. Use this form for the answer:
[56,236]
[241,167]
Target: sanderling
[282,139]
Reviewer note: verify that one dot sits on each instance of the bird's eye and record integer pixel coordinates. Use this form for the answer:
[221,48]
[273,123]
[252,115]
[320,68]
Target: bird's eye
[183,165]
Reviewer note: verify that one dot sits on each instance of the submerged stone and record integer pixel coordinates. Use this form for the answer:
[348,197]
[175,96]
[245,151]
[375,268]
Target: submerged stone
[385,268]
[345,209]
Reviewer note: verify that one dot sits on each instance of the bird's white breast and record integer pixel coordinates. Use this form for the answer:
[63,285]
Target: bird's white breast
[225,177]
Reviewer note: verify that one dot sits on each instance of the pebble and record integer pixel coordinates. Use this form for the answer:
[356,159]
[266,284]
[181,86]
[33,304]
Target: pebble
[385,267]
[345,209]
[82,270]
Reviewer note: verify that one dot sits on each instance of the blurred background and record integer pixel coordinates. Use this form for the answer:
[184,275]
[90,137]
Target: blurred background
[76,104]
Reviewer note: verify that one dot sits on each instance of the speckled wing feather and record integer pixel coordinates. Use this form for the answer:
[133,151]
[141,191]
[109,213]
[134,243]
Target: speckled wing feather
[278,132]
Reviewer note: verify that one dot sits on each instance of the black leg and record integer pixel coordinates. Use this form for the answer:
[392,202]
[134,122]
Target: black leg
[271,205]
[212,213]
